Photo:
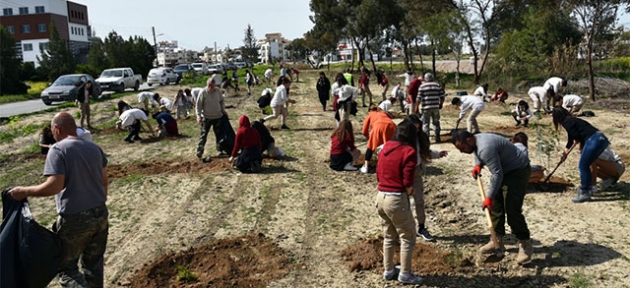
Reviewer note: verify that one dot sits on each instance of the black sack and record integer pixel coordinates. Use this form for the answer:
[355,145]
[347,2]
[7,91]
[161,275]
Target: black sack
[226,135]
[587,114]
[31,254]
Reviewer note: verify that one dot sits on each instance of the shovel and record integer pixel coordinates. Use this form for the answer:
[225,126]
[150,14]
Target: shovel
[497,249]
[544,186]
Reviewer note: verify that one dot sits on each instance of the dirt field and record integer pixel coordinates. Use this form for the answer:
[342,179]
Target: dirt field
[177,222]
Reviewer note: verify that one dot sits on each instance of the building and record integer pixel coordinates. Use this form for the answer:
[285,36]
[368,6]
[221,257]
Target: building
[28,22]
[272,48]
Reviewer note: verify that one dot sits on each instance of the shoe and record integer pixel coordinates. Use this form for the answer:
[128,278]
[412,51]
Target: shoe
[285,127]
[582,195]
[392,274]
[517,124]
[221,154]
[128,140]
[349,167]
[607,184]
[137,138]
[424,234]
[206,160]
[525,251]
[261,120]
[364,169]
[410,279]
[490,249]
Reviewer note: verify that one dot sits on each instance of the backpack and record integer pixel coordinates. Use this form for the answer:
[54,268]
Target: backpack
[587,114]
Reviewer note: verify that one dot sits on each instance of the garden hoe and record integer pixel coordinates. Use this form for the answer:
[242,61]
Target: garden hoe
[544,186]
[497,255]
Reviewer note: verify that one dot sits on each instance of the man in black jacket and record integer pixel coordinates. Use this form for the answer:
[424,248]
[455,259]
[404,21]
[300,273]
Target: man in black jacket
[84,93]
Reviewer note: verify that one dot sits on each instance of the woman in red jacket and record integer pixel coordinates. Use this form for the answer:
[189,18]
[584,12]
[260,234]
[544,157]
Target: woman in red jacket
[248,140]
[342,149]
[395,174]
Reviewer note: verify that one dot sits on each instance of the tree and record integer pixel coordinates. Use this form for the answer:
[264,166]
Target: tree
[250,50]
[298,49]
[97,58]
[58,59]
[10,65]
[116,50]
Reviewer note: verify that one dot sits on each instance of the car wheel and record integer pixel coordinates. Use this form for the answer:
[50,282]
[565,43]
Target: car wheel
[47,102]
[137,86]
[149,84]
[122,88]
[168,81]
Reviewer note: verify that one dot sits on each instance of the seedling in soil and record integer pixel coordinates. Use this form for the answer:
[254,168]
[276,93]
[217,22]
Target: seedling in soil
[185,275]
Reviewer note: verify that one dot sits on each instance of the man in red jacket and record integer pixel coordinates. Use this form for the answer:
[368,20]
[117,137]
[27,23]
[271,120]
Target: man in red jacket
[412,93]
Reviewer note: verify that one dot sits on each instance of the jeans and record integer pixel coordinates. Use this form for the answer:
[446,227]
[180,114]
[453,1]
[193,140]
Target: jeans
[433,115]
[593,147]
[205,128]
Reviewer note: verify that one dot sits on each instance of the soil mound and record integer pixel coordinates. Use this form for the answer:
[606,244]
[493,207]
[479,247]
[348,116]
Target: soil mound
[248,261]
[163,166]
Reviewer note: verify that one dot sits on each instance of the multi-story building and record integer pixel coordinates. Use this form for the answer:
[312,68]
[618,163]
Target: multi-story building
[272,48]
[28,22]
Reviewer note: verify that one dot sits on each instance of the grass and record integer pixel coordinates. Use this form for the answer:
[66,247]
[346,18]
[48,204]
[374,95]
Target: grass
[185,275]
[33,93]
[579,280]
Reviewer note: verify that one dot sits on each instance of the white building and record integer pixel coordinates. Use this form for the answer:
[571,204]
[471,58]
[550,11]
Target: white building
[272,48]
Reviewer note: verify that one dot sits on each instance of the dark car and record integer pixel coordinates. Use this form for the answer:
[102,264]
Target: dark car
[65,88]
[182,69]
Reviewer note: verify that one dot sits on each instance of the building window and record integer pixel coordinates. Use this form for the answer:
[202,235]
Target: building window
[43,46]
[41,27]
[39,9]
[11,29]
[28,47]
[7,11]
[26,29]
[23,10]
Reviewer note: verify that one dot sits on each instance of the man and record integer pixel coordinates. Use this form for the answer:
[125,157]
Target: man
[431,98]
[145,98]
[167,125]
[382,80]
[77,176]
[540,95]
[210,108]
[364,86]
[412,93]
[573,103]
[555,83]
[510,168]
[216,78]
[473,103]
[268,74]
[132,120]
[83,99]
[349,77]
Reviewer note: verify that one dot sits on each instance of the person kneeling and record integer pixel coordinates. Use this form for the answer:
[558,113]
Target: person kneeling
[248,142]
[343,153]
[609,167]
[166,124]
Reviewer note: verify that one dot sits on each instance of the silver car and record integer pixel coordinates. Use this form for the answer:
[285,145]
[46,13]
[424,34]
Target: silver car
[66,87]
[162,76]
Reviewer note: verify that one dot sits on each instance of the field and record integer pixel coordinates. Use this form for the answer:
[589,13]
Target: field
[177,222]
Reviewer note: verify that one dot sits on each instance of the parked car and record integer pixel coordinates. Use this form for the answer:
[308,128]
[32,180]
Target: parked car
[228,66]
[201,68]
[182,69]
[240,65]
[118,79]
[218,68]
[66,87]
[162,76]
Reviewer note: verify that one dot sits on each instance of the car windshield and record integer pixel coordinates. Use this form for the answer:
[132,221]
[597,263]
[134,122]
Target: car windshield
[66,80]
[197,65]
[155,71]
[181,67]
[112,73]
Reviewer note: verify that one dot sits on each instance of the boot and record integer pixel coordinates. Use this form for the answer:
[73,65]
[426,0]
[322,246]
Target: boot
[489,248]
[525,251]
[582,195]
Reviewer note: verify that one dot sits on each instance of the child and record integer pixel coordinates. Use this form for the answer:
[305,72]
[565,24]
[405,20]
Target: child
[166,124]
[343,153]
[181,101]
[522,114]
[500,95]
[264,100]
[248,142]
[520,140]
[378,127]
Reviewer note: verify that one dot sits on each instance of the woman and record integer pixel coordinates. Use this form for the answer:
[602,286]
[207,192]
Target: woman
[347,96]
[248,142]
[83,99]
[278,103]
[394,173]
[378,128]
[249,80]
[592,143]
[323,89]
[342,149]
[334,89]
[522,114]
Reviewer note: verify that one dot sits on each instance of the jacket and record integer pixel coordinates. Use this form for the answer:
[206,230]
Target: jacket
[246,136]
[396,167]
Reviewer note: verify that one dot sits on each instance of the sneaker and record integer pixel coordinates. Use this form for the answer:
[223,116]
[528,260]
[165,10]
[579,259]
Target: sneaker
[424,234]
[391,275]
[410,279]
[364,169]
[128,140]
[285,127]
[607,184]
[349,167]
[206,160]
[582,195]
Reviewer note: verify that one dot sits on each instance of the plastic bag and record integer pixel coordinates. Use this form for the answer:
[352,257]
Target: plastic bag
[31,254]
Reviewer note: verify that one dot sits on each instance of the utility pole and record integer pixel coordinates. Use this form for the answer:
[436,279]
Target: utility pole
[155,46]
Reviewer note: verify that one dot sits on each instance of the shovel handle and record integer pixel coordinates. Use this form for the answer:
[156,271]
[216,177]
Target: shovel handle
[488,217]
[559,163]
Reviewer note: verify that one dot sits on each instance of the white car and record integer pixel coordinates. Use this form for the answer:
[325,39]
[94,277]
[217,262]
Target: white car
[215,68]
[162,76]
[201,68]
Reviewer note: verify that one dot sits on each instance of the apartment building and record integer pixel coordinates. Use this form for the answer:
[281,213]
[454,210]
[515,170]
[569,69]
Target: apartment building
[272,48]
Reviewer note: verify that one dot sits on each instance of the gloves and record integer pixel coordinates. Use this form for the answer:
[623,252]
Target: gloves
[487,203]
[476,171]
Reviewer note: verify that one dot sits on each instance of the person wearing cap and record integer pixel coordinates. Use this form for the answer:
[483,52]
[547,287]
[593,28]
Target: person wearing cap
[430,99]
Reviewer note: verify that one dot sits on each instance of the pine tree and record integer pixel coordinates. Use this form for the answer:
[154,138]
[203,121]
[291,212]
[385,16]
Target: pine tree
[10,64]
[58,59]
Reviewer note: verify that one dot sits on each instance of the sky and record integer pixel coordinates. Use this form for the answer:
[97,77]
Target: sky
[197,24]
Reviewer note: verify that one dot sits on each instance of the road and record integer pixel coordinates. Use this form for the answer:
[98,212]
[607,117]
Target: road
[23,107]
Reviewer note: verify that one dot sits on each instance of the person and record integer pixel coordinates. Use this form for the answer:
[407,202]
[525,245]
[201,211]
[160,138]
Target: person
[283,71]
[235,80]
[123,106]
[522,114]
[364,86]
[500,95]
[343,152]
[520,140]
[382,80]
[482,91]
[334,89]
[510,168]
[347,98]
[412,94]
[165,103]
[167,125]
[84,134]
[278,103]
[190,104]
[194,95]
[573,103]
[268,75]
[249,80]
[554,84]
[267,141]
[226,83]
[539,95]
[247,141]
[210,110]
[592,143]
[378,128]
[475,105]
[394,172]
[349,77]
[295,72]
[216,78]
[430,98]
[387,105]
[264,100]
[399,95]
[323,89]
[46,140]
[83,99]
[425,154]
[181,101]
[76,172]
[609,167]
[145,98]
[132,120]
[409,76]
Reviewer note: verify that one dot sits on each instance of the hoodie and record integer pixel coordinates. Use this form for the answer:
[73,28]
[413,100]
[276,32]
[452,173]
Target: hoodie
[396,167]
[246,136]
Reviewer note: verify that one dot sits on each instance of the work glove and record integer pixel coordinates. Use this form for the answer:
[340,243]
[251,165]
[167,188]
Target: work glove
[476,171]
[487,203]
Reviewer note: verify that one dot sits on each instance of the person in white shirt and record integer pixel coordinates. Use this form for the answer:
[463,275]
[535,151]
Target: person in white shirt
[347,96]
[472,103]
[195,94]
[277,103]
[165,103]
[573,103]
[132,120]
[522,114]
[555,83]
[409,76]
[482,91]
[539,95]
[181,101]
[399,94]
[145,98]
[268,74]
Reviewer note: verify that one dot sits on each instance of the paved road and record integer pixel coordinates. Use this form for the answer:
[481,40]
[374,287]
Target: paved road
[23,107]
